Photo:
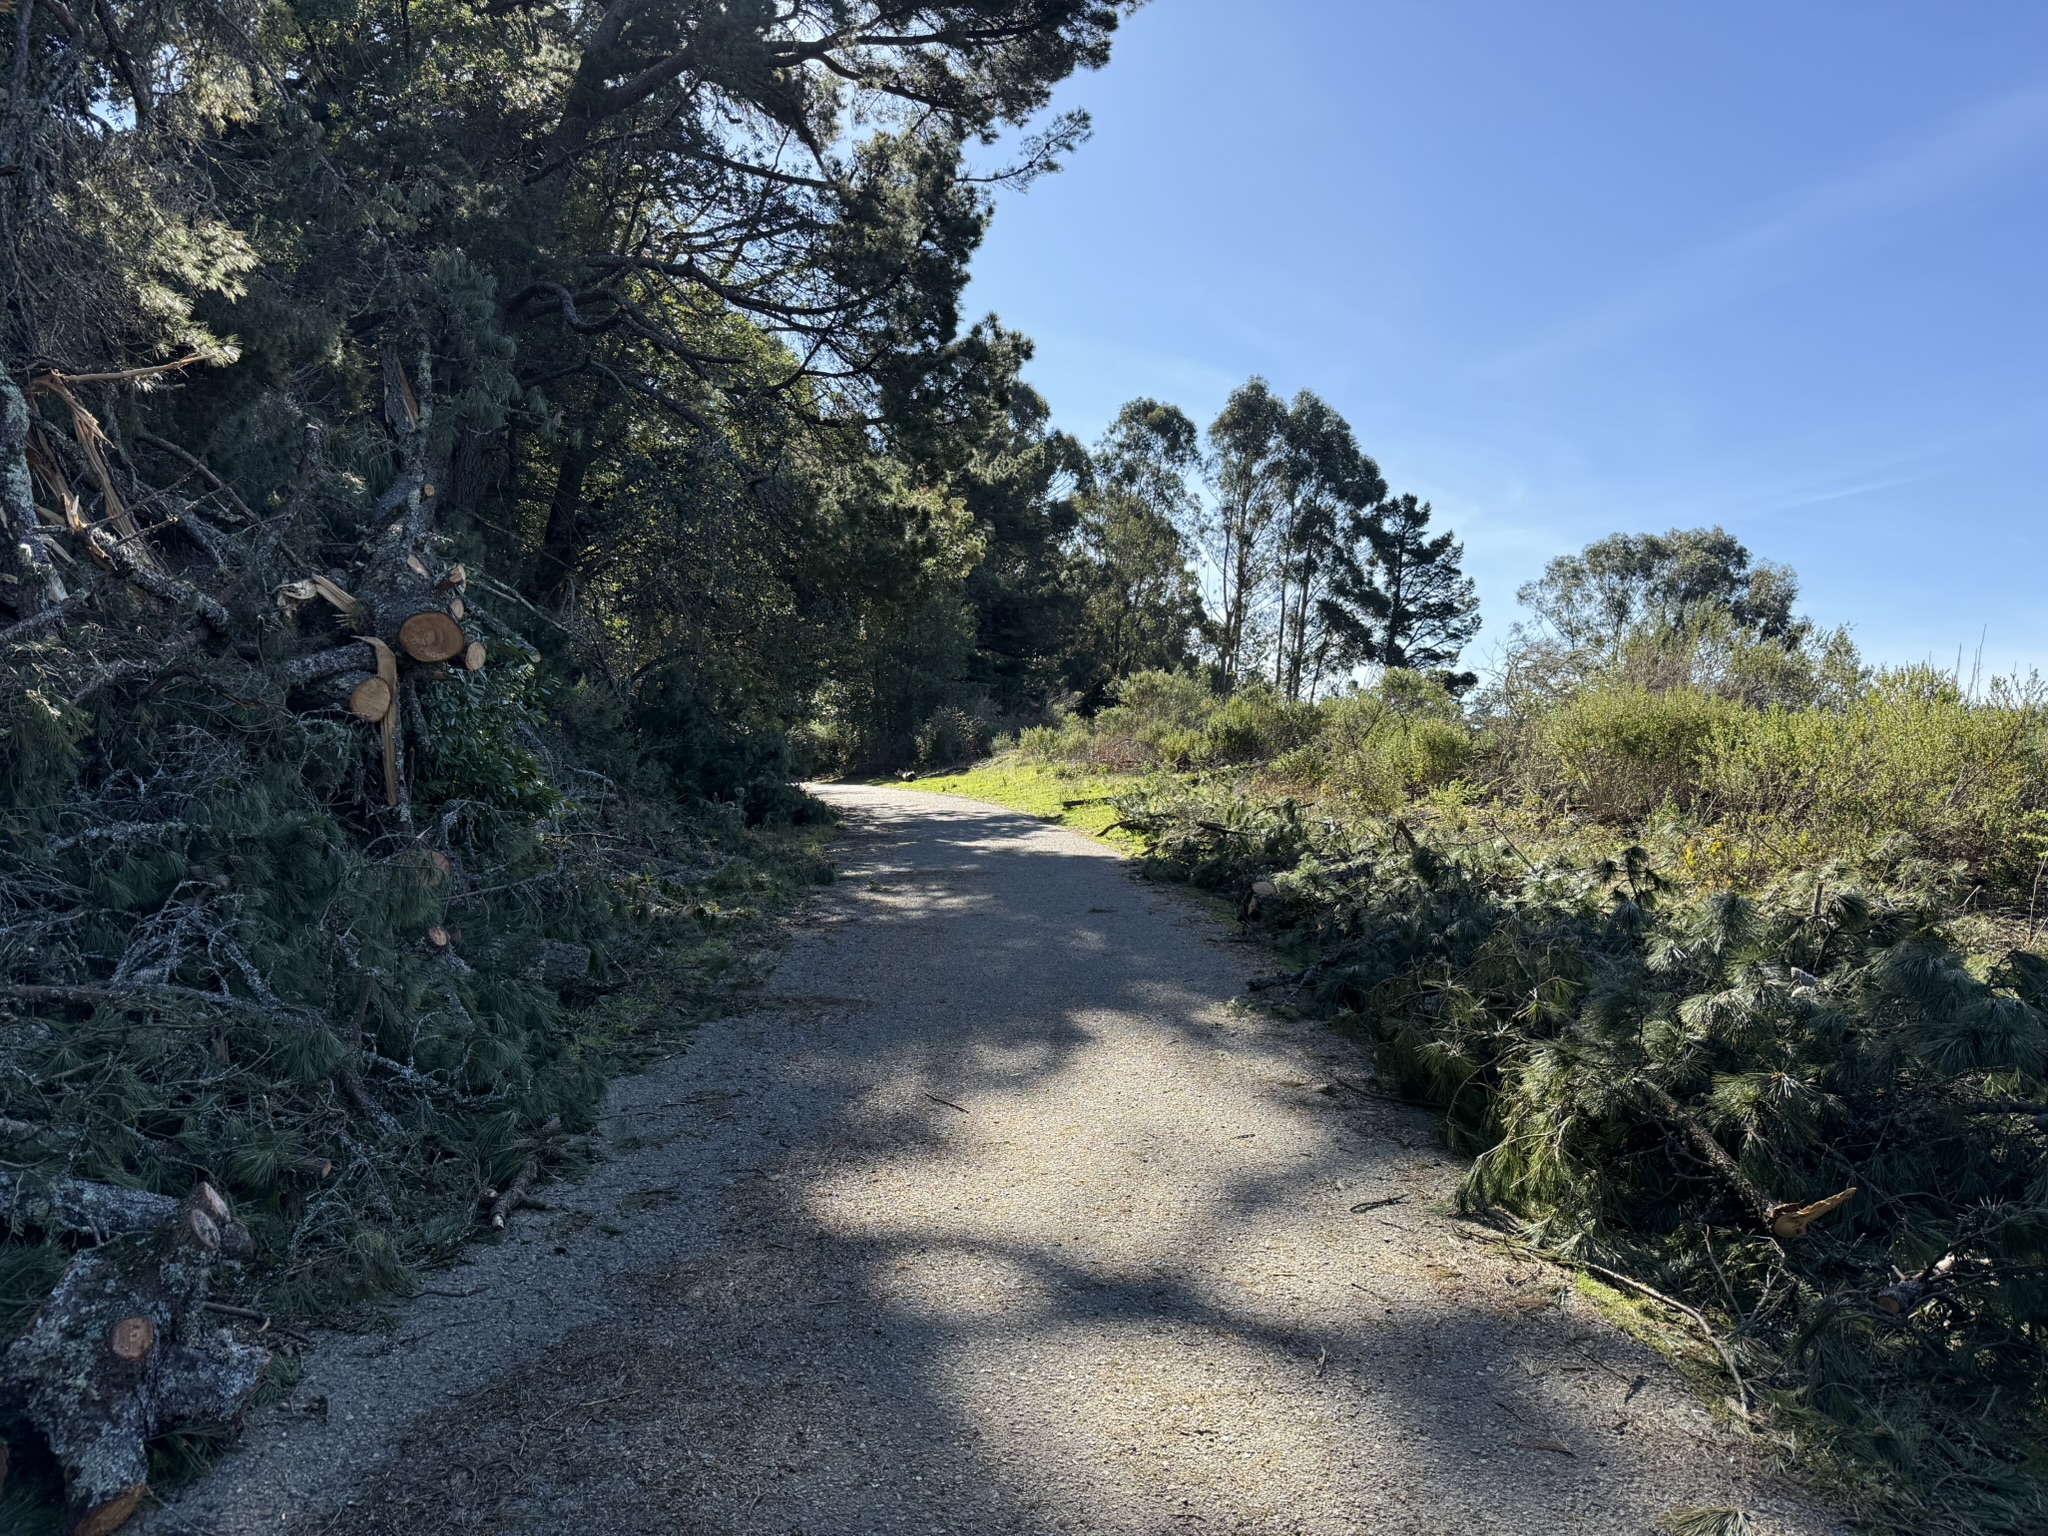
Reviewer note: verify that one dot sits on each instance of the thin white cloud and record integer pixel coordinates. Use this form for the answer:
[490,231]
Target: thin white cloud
[1960,154]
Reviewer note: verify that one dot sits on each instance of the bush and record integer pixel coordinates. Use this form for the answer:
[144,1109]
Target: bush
[1617,753]
[1911,756]
[1374,748]
[1153,721]
[1254,725]
[951,735]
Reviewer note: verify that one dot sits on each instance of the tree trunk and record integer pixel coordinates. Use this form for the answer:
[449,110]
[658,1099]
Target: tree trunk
[560,544]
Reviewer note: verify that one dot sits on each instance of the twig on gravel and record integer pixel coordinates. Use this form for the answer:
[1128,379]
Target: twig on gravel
[1367,1093]
[1372,1205]
[948,1103]
[261,1319]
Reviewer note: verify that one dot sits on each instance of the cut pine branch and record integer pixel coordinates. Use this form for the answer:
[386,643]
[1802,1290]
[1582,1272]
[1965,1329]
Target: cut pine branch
[1784,1220]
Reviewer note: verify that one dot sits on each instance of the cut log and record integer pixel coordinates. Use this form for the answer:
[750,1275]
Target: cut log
[80,1207]
[370,700]
[455,608]
[120,1353]
[387,673]
[431,635]
[473,656]
[515,1194]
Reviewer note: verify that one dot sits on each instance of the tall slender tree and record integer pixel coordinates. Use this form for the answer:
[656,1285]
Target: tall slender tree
[1248,476]
[1329,485]
[1140,602]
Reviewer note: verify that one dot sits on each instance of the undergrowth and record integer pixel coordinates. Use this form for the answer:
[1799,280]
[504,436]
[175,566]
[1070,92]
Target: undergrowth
[223,957]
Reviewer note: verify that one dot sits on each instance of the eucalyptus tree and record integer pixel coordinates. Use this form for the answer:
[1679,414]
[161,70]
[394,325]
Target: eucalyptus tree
[1329,490]
[1248,476]
[1629,582]
[1140,602]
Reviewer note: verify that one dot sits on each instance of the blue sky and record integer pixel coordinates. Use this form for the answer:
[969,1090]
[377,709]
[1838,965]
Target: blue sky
[1577,268]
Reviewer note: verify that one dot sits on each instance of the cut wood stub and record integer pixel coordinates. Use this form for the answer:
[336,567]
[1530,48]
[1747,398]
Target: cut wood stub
[1789,1222]
[473,656]
[430,636]
[371,699]
[132,1338]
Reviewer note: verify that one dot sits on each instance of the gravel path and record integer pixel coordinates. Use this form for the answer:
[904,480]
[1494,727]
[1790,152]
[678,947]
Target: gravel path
[996,1216]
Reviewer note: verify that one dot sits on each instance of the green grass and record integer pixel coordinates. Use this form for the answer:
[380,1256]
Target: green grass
[1074,798]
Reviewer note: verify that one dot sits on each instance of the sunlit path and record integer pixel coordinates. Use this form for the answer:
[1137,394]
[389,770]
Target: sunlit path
[1015,1223]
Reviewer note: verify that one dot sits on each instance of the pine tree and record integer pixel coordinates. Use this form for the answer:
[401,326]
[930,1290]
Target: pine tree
[1423,605]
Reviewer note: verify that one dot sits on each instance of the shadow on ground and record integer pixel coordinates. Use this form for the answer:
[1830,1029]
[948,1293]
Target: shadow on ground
[1000,1216]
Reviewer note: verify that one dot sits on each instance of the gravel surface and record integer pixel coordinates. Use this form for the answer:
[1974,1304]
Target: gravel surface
[999,1214]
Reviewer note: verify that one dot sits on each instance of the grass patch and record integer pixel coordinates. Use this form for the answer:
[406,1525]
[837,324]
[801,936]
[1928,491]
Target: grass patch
[1081,800]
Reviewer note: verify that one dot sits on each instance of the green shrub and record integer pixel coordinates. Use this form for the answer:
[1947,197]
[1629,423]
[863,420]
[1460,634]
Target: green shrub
[950,735]
[1155,720]
[1617,752]
[1910,756]
[1254,725]
[479,725]
[1376,747]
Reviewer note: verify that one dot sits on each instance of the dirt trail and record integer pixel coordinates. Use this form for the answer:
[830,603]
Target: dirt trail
[996,1216]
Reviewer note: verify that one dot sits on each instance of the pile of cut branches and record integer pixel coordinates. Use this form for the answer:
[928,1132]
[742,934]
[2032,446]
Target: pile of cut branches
[298,889]
[1807,1118]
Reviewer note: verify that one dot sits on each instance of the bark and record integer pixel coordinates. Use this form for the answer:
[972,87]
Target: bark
[559,542]
[352,657]
[563,965]
[37,584]
[120,1353]
[80,1207]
